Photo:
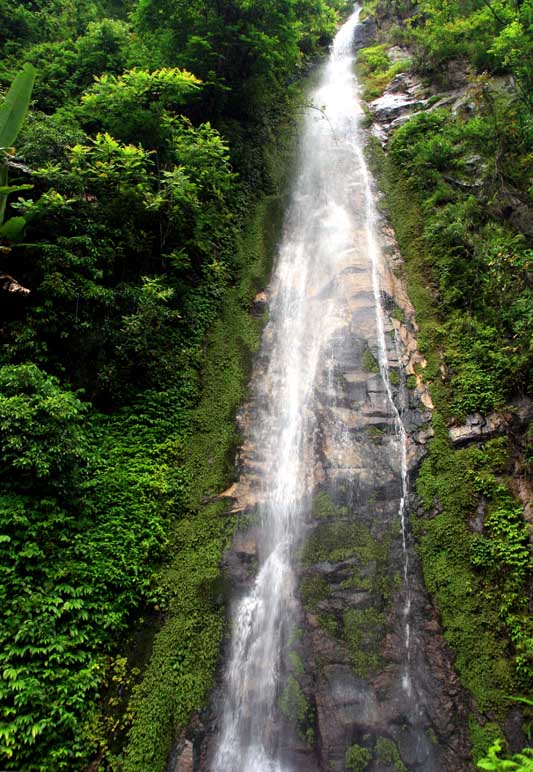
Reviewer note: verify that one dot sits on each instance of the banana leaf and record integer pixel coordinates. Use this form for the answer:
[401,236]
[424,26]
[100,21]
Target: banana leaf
[15,105]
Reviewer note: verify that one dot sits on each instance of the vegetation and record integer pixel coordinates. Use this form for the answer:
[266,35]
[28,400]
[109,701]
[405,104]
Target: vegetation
[377,70]
[522,762]
[458,190]
[357,758]
[154,152]
[385,753]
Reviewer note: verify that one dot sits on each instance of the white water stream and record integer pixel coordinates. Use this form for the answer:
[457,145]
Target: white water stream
[329,235]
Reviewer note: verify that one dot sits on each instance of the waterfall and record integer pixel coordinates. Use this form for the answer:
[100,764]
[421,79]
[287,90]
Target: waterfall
[328,248]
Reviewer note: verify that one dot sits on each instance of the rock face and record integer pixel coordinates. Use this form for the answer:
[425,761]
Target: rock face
[185,762]
[478,428]
[405,96]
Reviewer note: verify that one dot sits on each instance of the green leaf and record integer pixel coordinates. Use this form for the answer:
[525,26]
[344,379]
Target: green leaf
[15,105]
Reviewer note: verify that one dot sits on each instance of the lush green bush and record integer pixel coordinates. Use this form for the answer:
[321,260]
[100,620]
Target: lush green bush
[40,428]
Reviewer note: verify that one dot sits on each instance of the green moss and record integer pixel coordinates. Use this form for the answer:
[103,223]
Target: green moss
[324,507]
[398,313]
[330,623]
[369,362]
[292,702]
[363,632]
[295,707]
[357,758]
[387,753]
[375,433]
[297,664]
[296,635]
[411,381]
[356,580]
[313,589]
[341,540]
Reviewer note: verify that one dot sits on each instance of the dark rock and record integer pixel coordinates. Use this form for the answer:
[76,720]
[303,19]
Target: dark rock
[478,427]
[365,33]
[415,748]
[260,304]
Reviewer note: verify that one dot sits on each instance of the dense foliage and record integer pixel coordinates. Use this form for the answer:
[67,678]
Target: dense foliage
[125,342]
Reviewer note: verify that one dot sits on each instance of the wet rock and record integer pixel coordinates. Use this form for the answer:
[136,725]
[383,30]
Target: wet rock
[245,543]
[476,523]
[260,304]
[185,759]
[365,33]
[391,106]
[509,205]
[478,427]
[415,748]
[523,488]
[424,436]
[343,702]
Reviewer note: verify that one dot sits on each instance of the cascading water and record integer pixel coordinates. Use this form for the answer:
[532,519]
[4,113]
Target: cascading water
[328,245]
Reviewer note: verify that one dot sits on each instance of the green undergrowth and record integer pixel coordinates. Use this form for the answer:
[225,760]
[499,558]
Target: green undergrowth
[357,758]
[482,737]
[387,753]
[111,498]
[479,578]
[155,129]
[479,581]
[185,652]
[466,267]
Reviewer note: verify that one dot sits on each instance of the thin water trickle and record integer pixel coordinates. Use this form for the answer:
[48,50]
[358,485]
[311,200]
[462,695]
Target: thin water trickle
[329,235]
